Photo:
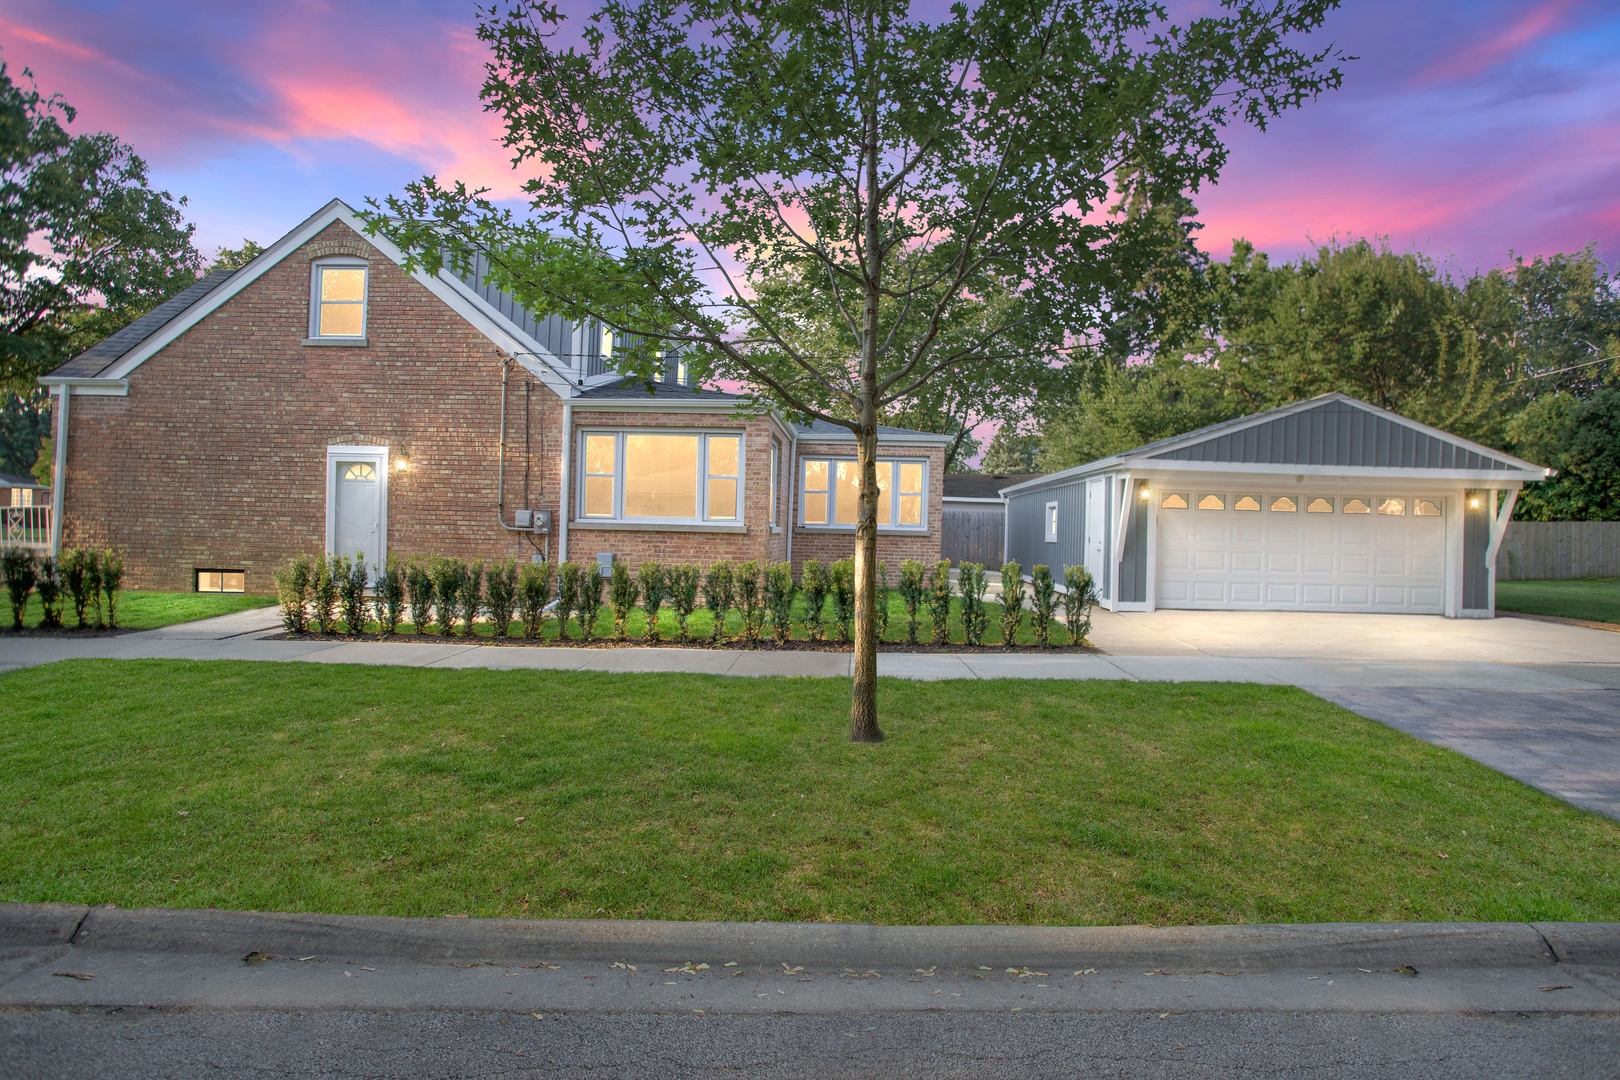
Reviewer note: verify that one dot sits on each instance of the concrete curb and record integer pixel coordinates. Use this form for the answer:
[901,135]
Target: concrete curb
[841,945]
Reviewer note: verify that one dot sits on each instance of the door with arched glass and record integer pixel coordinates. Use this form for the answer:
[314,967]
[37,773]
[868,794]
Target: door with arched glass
[356,515]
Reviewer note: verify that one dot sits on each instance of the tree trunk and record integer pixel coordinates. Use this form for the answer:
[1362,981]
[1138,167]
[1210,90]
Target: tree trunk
[863,720]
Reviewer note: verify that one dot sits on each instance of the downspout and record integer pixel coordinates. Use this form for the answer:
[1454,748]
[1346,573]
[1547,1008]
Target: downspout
[500,453]
[793,487]
[567,481]
[59,476]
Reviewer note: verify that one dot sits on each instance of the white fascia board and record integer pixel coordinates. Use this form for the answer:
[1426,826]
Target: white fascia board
[651,405]
[446,286]
[1484,477]
[913,438]
[968,499]
[1066,476]
[91,387]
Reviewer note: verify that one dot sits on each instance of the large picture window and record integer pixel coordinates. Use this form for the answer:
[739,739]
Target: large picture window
[831,491]
[338,306]
[661,476]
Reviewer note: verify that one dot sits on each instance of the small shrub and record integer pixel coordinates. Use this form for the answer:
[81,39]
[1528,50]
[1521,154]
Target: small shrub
[1078,602]
[352,582]
[1043,591]
[21,574]
[683,594]
[500,590]
[569,575]
[75,567]
[1012,602]
[841,590]
[719,591]
[390,595]
[975,618]
[49,587]
[533,594]
[912,589]
[654,590]
[750,601]
[419,586]
[292,593]
[112,580]
[623,591]
[322,596]
[470,597]
[447,574]
[779,599]
[813,583]
[880,600]
[590,599]
[939,604]
[92,584]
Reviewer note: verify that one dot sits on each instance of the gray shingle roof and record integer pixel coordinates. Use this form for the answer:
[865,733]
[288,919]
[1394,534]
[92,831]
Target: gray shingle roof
[982,485]
[822,427]
[112,348]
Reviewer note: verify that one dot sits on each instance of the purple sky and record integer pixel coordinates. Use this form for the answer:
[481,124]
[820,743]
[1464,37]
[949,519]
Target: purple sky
[1467,128]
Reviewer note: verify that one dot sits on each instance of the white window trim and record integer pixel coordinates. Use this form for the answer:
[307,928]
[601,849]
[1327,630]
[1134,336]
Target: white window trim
[776,480]
[580,518]
[832,484]
[377,455]
[1051,522]
[338,261]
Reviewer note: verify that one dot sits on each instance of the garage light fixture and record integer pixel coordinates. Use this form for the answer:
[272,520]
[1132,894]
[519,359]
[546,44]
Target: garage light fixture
[401,463]
[1146,494]
[1473,502]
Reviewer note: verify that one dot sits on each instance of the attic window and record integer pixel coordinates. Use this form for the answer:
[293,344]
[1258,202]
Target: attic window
[338,304]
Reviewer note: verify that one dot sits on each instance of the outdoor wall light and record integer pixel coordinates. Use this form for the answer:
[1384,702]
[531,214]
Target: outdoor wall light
[401,463]
[1146,493]
[1473,502]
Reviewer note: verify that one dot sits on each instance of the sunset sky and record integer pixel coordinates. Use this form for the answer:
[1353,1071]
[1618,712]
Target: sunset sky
[1467,128]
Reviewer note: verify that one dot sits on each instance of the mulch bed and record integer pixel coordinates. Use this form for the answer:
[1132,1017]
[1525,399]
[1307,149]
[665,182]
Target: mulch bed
[67,631]
[755,646]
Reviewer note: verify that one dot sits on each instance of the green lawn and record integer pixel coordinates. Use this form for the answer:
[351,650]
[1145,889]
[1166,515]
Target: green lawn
[146,610]
[1593,599]
[430,792]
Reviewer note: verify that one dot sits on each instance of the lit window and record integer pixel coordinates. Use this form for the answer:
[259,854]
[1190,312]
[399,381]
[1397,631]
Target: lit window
[1212,502]
[1426,508]
[657,476]
[1282,504]
[1357,506]
[1174,502]
[1051,522]
[1392,507]
[340,301]
[221,581]
[831,493]
[1247,503]
[22,496]
[1319,505]
[360,470]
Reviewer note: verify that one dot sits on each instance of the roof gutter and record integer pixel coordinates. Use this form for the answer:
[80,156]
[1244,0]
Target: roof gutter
[94,387]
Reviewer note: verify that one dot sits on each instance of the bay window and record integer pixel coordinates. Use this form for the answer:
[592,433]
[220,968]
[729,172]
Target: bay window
[663,476]
[831,491]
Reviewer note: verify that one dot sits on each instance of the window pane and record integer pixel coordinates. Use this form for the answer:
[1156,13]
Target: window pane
[1174,502]
[1392,507]
[341,320]
[723,455]
[208,581]
[1246,502]
[1212,502]
[1426,508]
[885,477]
[815,509]
[1357,506]
[911,509]
[599,453]
[911,477]
[815,476]
[1319,505]
[234,581]
[848,493]
[722,499]
[1282,504]
[343,283]
[599,496]
[660,476]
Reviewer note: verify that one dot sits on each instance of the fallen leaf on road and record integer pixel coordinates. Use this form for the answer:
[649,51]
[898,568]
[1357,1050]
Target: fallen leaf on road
[537,1016]
[84,975]
[1024,972]
[256,957]
[622,965]
[1561,986]
[791,970]
[687,968]
[929,972]
[851,973]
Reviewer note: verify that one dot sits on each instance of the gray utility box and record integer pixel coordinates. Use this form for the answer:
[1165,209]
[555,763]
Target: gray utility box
[604,563]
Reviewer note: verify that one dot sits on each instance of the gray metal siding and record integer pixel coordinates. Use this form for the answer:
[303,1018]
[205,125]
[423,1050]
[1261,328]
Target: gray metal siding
[1335,433]
[1027,532]
[1476,539]
[553,333]
[1133,567]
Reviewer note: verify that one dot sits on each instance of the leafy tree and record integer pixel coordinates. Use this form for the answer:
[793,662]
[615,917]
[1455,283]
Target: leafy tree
[25,420]
[236,258]
[1580,439]
[1011,451]
[686,157]
[85,244]
[1558,318]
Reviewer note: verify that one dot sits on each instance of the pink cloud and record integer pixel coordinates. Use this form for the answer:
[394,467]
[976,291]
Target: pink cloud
[1528,28]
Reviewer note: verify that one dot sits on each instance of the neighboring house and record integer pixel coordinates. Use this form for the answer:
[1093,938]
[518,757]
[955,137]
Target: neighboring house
[975,520]
[20,491]
[1330,504]
[321,398]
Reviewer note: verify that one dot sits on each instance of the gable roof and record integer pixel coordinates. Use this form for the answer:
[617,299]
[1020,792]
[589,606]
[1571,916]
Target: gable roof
[1333,433]
[982,485]
[112,348]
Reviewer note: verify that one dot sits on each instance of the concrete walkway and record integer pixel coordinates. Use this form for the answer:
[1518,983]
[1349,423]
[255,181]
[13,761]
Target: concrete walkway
[1539,701]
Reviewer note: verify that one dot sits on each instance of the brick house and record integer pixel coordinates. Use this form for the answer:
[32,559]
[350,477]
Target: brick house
[322,398]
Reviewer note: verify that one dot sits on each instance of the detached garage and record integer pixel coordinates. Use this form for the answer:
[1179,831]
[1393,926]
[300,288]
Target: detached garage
[1330,504]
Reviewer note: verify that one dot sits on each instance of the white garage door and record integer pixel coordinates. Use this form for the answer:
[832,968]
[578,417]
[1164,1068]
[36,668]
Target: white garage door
[1327,552]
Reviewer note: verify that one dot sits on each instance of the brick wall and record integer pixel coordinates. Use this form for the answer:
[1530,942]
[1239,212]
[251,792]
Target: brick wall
[830,545]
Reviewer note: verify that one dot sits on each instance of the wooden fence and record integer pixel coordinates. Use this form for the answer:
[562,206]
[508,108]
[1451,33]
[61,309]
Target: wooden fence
[973,535]
[1534,550]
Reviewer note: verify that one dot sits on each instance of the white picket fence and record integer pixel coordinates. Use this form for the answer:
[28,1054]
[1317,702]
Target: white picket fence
[1536,550]
[26,526]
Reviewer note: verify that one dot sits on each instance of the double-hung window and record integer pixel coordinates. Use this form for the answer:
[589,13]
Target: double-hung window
[661,476]
[337,309]
[831,490]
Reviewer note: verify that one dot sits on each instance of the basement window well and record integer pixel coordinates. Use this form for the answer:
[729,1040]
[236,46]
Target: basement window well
[222,581]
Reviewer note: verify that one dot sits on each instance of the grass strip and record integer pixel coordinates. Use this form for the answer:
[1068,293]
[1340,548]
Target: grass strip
[1589,599]
[142,610]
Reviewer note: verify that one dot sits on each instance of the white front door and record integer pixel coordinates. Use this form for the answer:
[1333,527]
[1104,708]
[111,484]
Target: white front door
[1096,532]
[357,517]
[1230,549]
